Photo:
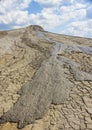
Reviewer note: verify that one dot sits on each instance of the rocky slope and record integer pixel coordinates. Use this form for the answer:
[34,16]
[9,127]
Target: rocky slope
[45,80]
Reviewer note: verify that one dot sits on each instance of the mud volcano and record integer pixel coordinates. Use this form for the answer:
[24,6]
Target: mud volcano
[49,84]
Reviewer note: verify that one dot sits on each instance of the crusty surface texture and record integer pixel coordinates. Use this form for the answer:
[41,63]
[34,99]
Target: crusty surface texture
[45,80]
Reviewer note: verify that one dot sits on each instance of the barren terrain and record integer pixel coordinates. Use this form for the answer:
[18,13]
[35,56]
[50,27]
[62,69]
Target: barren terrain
[45,80]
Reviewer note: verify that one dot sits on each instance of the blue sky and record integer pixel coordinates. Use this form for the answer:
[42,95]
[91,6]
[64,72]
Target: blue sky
[71,17]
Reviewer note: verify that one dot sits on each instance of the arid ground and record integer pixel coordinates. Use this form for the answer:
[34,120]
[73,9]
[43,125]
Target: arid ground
[45,80]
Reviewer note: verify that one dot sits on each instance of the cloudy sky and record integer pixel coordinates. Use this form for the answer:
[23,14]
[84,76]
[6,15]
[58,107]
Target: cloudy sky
[72,17]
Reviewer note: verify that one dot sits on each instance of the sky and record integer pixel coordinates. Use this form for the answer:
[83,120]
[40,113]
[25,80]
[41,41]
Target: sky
[70,17]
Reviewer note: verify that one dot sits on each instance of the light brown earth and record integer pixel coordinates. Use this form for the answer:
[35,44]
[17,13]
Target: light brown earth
[26,52]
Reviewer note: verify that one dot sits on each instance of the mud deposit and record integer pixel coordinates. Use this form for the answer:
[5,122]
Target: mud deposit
[45,77]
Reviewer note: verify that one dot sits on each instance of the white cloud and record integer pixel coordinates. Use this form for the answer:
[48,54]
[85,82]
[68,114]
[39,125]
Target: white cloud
[79,28]
[24,3]
[53,17]
[8,5]
[11,11]
[17,16]
[72,7]
[71,14]
[49,2]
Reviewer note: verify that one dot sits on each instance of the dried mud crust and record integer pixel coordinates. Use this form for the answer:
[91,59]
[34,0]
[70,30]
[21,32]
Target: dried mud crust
[59,92]
[15,70]
[35,28]
[3,33]
[49,85]
[18,64]
[85,60]
[75,114]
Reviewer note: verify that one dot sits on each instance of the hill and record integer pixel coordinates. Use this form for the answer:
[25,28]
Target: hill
[45,80]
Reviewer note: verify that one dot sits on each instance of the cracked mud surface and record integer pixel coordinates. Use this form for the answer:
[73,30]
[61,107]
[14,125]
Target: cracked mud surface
[59,93]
